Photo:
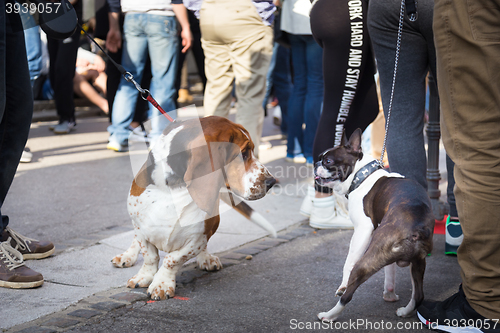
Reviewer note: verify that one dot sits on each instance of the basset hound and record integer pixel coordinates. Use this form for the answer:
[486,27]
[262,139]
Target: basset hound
[174,198]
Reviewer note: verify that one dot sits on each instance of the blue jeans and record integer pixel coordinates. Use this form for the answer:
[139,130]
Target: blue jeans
[143,34]
[305,101]
[33,45]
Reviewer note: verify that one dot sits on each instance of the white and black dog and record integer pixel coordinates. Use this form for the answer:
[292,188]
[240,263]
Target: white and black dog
[392,218]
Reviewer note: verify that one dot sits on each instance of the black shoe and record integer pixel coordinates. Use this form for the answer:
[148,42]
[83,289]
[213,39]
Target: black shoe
[455,315]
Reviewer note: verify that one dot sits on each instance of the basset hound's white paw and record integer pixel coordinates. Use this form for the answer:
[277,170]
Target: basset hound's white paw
[159,289]
[129,257]
[140,281]
[208,262]
[123,260]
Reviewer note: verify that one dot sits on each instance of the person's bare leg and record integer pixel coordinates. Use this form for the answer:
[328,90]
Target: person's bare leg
[84,89]
[100,82]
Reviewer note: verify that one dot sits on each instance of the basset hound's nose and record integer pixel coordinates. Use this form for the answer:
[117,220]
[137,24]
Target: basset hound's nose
[270,181]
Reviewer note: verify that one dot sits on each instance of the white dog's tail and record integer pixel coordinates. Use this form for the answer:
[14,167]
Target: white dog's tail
[244,209]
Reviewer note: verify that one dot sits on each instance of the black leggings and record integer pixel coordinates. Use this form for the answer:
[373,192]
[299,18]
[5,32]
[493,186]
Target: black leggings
[350,97]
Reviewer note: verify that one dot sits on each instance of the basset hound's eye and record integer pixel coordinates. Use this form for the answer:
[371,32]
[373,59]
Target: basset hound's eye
[246,153]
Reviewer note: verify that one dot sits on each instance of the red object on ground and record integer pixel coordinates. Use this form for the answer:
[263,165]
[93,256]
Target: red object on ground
[181,298]
[439,227]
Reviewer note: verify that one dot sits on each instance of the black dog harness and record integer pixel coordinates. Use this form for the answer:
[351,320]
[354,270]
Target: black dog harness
[362,174]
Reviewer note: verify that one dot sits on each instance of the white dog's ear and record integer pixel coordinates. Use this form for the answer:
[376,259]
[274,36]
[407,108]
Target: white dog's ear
[354,143]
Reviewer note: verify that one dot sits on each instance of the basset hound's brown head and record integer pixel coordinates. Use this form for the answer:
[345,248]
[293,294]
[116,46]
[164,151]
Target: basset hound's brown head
[206,155]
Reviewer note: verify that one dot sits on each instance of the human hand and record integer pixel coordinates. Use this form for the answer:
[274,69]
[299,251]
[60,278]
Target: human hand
[99,64]
[113,40]
[187,39]
[114,36]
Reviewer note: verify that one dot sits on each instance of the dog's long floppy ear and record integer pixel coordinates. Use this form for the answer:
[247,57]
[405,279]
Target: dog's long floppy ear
[204,175]
[354,144]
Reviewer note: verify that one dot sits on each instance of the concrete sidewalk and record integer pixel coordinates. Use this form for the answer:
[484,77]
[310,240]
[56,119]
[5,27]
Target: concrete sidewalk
[74,193]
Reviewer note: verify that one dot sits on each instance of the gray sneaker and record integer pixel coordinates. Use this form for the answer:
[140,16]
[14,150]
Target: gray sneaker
[65,127]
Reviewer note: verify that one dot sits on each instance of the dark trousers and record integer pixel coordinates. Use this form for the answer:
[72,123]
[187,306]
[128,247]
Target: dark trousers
[198,54]
[199,58]
[350,96]
[16,101]
[405,141]
[62,55]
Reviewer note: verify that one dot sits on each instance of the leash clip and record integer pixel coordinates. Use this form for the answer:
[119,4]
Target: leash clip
[130,78]
[145,93]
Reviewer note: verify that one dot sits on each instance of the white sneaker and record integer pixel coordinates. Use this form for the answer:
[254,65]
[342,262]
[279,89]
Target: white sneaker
[307,204]
[115,146]
[277,115]
[27,156]
[295,159]
[326,214]
[265,145]
[341,206]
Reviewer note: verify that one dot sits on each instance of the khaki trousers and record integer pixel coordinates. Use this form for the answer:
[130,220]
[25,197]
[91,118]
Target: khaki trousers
[237,46]
[467,39]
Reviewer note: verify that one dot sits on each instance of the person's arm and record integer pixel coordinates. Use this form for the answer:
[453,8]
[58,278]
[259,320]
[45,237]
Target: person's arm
[114,36]
[181,14]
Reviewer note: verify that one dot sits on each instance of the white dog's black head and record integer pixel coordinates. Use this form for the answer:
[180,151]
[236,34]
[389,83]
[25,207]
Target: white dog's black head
[337,163]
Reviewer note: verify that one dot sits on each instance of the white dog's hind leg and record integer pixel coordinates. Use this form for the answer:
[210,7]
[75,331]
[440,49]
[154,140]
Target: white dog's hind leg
[359,243]
[417,280]
[208,261]
[390,283]
[151,259]
[407,310]
[129,257]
